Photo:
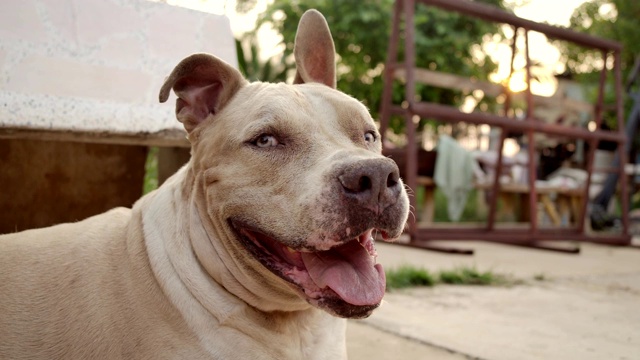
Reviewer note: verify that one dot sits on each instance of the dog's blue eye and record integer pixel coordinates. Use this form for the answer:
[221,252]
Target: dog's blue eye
[369,137]
[265,141]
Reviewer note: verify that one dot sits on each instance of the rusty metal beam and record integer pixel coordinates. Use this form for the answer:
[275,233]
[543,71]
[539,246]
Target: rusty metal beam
[531,149]
[491,13]
[453,115]
[622,148]
[392,53]
[410,90]
[518,235]
[425,245]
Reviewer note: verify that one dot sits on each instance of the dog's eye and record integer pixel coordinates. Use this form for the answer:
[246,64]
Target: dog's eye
[265,141]
[369,137]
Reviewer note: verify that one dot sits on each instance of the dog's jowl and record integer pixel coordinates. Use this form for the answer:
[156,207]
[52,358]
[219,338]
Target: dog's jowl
[257,249]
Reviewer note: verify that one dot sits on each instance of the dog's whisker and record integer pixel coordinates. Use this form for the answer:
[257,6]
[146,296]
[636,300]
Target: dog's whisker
[408,189]
[413,215]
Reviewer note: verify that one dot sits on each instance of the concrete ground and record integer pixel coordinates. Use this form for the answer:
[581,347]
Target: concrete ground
[584,306]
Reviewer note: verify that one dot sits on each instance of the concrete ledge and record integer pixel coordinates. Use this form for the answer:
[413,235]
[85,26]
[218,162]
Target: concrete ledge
[96,66]
[51,117]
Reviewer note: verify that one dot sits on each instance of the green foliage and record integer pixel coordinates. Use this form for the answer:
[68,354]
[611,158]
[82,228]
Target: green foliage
[612,19]
[151,171]
[255,69]
[244,6]
[469,214]
[635,200]
[361,32]
[408,276]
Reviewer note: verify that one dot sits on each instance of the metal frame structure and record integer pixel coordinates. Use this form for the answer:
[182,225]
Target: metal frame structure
[531,236]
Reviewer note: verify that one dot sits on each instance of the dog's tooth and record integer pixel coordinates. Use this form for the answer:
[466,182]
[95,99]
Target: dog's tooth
[291,250]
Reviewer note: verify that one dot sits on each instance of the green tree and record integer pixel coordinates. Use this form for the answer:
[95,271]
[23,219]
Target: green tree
[256,69]
[361,32]
[612,19]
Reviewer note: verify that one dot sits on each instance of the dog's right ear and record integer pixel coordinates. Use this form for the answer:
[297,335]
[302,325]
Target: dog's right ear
[204,84]
[314,51]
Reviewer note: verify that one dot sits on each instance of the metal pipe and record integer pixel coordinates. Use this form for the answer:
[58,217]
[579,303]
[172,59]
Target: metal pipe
[491,13]
[453,115]
[410,88]
[495,189]
[531,155]
[521,236]
[387,87]
[507,101]
[593,143]
[622,148]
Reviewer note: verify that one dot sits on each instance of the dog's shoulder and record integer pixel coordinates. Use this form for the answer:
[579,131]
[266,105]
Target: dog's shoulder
[56,241]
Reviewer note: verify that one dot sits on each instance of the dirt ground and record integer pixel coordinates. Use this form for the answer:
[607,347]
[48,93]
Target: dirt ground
[584,306]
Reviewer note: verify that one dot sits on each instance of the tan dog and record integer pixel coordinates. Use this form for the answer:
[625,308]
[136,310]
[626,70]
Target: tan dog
[254,250]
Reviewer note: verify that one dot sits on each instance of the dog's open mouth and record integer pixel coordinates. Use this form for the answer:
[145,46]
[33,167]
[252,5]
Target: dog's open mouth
[348,271]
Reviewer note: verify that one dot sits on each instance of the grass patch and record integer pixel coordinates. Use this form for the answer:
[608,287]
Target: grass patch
[540,277]
[410,276]
[468,276]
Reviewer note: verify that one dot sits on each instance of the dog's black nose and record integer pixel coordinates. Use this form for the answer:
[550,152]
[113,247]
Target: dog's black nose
[373,183]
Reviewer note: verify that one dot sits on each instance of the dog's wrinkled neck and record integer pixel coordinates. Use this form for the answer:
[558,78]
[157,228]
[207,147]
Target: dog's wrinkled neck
[225,260]
[204,259]
[173,261]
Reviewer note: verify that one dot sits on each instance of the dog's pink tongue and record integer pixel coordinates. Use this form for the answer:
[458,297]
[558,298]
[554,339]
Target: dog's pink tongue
[348,270]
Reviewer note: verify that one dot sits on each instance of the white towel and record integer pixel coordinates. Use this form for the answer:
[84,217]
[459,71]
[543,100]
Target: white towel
[454,174]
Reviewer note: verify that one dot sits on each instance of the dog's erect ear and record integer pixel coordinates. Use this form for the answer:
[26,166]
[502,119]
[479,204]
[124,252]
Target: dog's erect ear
[314,51]
[203,84]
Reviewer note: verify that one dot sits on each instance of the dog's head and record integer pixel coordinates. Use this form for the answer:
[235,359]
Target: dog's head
[292,177]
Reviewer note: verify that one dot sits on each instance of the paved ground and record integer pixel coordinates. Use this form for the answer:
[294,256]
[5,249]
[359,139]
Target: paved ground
[586,306]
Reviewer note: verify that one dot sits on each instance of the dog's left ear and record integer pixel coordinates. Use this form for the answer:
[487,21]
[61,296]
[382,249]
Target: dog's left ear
[204,84]
[314,51]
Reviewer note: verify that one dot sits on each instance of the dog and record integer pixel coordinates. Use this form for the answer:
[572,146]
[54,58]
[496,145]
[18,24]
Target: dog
[259,248]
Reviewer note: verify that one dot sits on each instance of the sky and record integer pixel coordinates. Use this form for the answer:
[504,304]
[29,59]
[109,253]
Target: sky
[553,11]
[556,12]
